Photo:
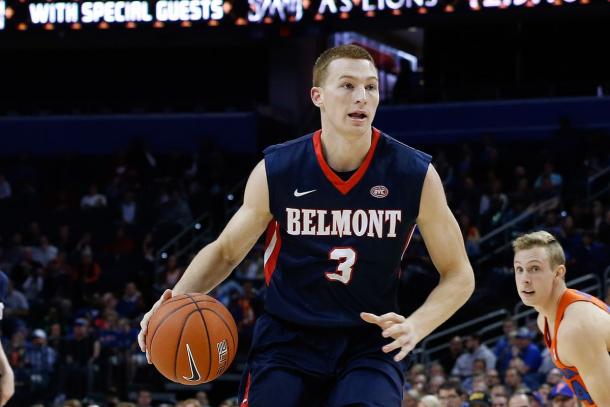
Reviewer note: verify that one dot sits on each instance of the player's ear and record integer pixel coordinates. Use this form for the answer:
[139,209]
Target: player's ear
[560,271]
[316,96]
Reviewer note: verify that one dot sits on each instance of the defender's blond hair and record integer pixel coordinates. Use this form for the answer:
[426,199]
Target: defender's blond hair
[545,240]
[320,68]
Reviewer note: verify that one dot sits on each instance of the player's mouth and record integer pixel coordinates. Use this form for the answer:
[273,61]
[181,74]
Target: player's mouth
[358,116]
[527,293]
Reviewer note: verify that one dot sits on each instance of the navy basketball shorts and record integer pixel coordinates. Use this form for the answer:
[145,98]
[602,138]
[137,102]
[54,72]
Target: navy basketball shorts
[292,365]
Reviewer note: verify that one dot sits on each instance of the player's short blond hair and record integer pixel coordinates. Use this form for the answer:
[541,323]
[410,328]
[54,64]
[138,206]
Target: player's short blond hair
[320,68]
[545,240]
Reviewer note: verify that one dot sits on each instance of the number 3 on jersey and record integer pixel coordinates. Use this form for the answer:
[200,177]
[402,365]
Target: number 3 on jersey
[347,258]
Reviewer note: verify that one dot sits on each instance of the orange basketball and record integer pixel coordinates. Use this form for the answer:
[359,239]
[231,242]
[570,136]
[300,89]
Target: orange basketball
[191,338]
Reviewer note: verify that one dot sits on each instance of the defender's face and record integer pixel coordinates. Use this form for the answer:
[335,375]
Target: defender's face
[533,276]
[349,96]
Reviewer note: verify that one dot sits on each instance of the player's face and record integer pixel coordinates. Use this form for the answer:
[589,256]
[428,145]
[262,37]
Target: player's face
[533,276]
[349,96]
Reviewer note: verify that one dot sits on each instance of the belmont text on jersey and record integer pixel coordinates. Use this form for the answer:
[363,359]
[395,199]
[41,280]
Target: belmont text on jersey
[376,223]
[335,244]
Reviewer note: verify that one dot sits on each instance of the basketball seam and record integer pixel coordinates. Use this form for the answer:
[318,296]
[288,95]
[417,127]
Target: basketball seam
[165,319]
[179,297]
[178,344]
[205,326]
[224,322]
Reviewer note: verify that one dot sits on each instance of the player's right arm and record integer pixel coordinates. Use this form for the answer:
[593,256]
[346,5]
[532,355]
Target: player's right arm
[215,261]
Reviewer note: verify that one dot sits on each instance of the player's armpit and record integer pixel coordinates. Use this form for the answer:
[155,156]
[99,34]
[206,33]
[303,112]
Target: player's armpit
[582,343]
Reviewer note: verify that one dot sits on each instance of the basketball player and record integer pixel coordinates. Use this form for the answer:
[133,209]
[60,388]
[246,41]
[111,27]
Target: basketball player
[339,206]
[576,326]
[7,377]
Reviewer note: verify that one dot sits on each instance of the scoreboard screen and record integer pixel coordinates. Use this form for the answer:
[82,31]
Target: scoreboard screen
[24,15]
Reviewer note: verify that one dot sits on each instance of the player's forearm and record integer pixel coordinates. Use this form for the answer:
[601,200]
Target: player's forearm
[448,296]
[208,269]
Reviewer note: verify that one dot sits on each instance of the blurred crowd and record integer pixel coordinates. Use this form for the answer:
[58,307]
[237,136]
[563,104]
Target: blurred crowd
[80,262]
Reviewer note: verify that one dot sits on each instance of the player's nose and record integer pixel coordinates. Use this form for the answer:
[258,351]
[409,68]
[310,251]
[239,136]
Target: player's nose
[360,94]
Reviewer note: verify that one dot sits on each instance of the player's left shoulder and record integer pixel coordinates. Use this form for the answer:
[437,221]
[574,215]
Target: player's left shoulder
[583,319]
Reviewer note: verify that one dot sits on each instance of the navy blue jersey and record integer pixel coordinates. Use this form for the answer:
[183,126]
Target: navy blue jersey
[334,247]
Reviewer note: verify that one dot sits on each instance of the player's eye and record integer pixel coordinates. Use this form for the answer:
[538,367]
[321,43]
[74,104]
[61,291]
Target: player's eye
[535,268]
[371,87]
[347,85]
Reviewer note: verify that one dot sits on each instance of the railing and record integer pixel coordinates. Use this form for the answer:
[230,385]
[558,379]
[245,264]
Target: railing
[507,228]
[439,341]
[193,235]
[602,178]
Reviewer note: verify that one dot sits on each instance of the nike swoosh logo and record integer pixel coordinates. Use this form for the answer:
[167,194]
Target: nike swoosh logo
[298,194]
[195,377]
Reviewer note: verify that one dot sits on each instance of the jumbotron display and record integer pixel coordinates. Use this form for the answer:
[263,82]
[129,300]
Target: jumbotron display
[22,15]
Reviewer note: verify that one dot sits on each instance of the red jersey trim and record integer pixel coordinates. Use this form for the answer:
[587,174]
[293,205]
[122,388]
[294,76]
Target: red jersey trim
[273,244]
[344,186]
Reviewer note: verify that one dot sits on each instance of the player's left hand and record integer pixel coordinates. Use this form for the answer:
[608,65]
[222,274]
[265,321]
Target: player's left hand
[397,327]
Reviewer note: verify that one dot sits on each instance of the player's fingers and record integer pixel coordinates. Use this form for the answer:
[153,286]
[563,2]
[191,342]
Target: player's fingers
[148,358]
[393,345]
[393,331]
[392,316]
[141,342]
[401,355]
[167,294]
[370,318]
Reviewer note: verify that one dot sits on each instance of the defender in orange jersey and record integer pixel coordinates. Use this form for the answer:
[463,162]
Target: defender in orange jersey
[576,325]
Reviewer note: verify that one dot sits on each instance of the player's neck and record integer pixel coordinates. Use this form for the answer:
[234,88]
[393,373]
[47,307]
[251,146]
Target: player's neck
[345,152]
[549,308]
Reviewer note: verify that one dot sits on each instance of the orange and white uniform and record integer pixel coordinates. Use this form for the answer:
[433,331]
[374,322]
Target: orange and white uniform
[571,375]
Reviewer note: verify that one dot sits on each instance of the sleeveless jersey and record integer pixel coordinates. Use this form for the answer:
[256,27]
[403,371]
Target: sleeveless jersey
[571,375]
[334,247]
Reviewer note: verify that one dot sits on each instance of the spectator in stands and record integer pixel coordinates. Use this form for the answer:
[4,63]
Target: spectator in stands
[435,384]
[451,394]
[44,252]
[410,398]
[499,390]
[202,397]
[471,235]
[131,304]
[505,343]
[479,399]
[548,172]
[475,350]
[562,396]
[40,362]
[144,398]
[16,310]
[93,199]
[492,378]
[87,274]
[78,358]
[6,191]
[499,401]
[450,357]
[554,376]
[129,208]
[526,358]
[513,380]
[429,401]
[519,400]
